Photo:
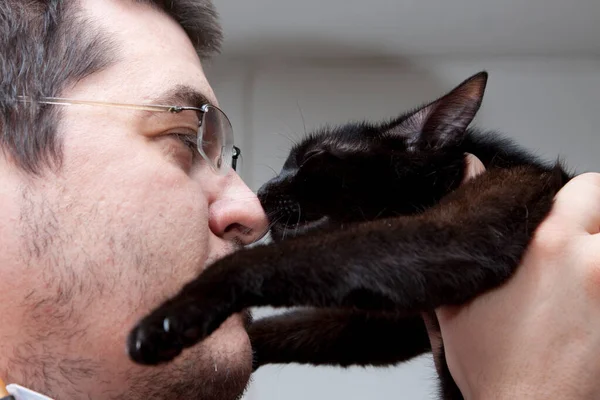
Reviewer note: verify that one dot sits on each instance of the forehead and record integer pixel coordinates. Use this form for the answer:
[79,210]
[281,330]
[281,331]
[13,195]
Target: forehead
[154,54]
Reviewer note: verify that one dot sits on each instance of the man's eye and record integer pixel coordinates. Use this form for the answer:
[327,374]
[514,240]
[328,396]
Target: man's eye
[190,141]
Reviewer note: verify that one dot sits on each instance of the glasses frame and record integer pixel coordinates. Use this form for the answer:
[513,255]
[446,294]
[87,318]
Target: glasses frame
[235,151]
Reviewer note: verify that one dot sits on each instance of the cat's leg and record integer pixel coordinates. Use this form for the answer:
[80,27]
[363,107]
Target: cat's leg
[337,337]
[468,244]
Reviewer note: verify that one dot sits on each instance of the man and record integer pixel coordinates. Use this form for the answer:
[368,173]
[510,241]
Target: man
[106,211]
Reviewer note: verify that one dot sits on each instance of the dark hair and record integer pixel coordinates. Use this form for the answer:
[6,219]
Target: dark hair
[46,45]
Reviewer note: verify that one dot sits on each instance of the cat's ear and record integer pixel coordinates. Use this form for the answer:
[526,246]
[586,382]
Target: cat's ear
[444,121]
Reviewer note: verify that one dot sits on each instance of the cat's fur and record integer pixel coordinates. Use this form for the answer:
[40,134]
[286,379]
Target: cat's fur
[394,235]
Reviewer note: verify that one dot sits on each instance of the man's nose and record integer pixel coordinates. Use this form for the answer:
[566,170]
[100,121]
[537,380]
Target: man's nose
[238,215]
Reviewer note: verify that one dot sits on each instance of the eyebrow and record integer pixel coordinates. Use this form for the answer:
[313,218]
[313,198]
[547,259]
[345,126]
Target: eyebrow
[182,95]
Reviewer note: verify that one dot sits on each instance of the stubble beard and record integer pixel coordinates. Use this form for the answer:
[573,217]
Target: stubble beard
[58,318]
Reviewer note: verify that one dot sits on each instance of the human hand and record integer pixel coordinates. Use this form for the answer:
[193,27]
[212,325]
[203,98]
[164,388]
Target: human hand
[474,167]
[537,336]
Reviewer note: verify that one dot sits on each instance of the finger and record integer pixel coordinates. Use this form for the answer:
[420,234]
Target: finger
[474,167]
[577,204]
[433,330]
[435,338]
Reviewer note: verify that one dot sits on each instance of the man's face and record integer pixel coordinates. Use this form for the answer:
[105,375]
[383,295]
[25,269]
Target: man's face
[124,224]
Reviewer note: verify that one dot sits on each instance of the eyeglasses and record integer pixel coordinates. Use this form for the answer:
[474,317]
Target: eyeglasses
[214,137]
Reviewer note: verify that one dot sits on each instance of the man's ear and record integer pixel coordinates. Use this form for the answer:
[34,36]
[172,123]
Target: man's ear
[444,121]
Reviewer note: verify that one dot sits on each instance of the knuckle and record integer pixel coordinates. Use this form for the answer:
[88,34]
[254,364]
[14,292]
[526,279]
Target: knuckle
[586,180]
[550,240]
[588,254]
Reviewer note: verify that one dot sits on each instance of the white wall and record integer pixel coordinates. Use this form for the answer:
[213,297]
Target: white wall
[550,105]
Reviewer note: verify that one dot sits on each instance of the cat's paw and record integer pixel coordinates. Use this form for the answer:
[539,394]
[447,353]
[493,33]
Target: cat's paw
[162,336]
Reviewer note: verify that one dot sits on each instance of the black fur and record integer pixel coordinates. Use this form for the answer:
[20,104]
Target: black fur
[393,235]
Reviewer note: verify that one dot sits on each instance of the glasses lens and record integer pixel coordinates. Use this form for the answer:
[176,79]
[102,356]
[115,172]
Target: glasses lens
[215,139]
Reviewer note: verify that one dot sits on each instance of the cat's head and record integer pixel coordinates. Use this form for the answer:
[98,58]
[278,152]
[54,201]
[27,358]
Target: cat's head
[364,171]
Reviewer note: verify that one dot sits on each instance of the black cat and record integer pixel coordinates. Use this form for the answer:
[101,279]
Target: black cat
[393,235]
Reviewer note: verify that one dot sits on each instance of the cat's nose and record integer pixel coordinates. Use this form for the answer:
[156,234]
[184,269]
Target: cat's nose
[263,193]
[281,184]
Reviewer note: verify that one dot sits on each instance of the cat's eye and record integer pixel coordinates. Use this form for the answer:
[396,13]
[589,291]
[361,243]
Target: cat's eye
[312,153]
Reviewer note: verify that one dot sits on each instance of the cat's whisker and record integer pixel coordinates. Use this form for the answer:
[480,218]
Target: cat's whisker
[263,233]
[274,216]
[269,167]
[302,116]
[292,141]
[275,173]
[285,227]
[271,224]
[299,216]
[274,219]
[245,198]
[362,213]
[273,169]
[380,212]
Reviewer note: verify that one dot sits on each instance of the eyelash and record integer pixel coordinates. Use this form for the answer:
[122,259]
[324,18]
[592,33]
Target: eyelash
[190,141]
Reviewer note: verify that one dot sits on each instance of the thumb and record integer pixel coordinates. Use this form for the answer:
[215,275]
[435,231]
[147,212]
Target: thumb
[578,203]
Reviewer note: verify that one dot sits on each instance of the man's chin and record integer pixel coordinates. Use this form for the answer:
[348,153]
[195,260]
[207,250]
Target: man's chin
[232,343]
[230,366]
[218,368]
